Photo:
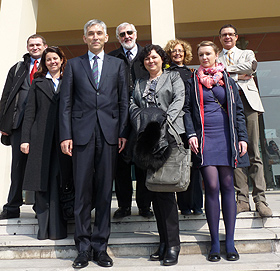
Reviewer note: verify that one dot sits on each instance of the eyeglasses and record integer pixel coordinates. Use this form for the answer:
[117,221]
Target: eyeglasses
[129,32]
[178,51]
[228,34]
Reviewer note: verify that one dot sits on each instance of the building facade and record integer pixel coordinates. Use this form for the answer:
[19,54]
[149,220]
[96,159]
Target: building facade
[61,23]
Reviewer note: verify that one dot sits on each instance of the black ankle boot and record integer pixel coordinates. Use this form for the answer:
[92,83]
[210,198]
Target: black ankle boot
[171,255]
[159,254]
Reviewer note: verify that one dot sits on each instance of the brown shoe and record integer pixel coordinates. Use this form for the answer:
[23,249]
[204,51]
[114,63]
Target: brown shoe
[263,209]
[242,206]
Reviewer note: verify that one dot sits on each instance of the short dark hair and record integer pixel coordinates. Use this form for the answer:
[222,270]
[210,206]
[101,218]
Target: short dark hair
[43,70]
[147,50]
[228,26]
[35,36]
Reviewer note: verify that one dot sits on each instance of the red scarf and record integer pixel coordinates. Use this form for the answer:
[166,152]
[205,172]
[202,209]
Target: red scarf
[211,76]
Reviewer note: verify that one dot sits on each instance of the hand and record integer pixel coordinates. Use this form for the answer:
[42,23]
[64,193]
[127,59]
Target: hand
[122,143]
[24,147]
[193,142]
[3,133]
[67,146]
[242,148]
[244,77]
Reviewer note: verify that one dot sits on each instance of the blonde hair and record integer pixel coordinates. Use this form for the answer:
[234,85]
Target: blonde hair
[208,43]
[187,48]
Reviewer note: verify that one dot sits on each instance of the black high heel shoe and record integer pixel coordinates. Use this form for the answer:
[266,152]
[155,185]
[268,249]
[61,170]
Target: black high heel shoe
[232,256]
[214,257]
[159,254]
[171,255]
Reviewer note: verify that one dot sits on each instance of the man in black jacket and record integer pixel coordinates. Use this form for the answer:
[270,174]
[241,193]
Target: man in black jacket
[129,51]
[12,106]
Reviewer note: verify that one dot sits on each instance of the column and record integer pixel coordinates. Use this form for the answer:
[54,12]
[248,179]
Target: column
[162,21]
[18,20]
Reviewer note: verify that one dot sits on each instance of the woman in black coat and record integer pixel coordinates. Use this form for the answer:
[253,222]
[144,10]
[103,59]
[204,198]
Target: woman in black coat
[216,131]
[41,142]
[191,200]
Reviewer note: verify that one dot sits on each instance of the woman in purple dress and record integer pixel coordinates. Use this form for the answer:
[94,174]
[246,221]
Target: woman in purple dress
[216,131]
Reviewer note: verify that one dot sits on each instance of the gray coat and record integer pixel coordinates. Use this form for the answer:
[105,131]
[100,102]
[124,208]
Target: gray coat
[170,97]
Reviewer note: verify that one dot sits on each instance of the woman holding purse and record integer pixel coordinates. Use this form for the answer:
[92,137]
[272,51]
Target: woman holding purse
[164,90]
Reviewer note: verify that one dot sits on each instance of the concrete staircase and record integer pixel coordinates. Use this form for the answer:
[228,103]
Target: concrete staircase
[135,236]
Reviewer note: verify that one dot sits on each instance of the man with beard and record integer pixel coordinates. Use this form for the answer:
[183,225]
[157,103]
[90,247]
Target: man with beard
[129,51]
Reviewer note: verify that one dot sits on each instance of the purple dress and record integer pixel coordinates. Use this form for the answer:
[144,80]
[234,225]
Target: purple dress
[217,148]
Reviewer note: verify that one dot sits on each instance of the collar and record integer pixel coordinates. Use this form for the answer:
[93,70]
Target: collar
[100,55]
[33,60]
[133,51]
[233,49]
[48,75]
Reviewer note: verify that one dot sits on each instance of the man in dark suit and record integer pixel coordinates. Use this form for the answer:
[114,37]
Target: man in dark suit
[93,115]
[12,107]
[129,51]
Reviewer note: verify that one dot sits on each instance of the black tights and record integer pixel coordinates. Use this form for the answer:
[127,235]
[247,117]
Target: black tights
[218,178]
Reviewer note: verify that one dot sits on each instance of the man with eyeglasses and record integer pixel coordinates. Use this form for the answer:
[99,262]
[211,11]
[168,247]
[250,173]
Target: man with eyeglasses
[241,64]
[129,51]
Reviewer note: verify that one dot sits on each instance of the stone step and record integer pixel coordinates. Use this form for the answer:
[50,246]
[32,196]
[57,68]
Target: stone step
[27,224]
[257,240]
[136,236]
[248,262]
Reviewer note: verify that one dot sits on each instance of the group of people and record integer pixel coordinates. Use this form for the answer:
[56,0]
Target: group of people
[72,118]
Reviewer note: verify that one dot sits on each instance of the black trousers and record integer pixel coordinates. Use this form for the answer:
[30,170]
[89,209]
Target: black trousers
[166,213]
[123,185]
[93,172]
[17,174]
[192,198]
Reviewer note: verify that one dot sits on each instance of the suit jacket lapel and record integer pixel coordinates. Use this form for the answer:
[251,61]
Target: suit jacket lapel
[86,65]
[105,68]
[222,58]
[46,87]
[161,81]
[237,54]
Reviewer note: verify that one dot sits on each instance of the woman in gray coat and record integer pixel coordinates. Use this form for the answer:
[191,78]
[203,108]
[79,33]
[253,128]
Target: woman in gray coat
[41,142]
[165,90]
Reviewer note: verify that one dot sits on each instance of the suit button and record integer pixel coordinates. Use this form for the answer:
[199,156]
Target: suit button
[159,104]
[97,93]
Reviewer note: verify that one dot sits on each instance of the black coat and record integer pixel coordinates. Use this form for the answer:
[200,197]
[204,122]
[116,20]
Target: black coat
[193,118]
[15,79]
[40,130]
[137,69]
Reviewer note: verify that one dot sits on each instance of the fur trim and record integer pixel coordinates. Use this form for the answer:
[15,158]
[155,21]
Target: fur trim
[148,154]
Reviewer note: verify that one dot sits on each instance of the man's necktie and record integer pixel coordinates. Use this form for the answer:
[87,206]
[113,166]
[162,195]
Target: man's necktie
[95,70]
[129,55]
[34,69]
[229,58]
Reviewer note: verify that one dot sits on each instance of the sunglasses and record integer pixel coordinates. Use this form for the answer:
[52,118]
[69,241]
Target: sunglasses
[129,32]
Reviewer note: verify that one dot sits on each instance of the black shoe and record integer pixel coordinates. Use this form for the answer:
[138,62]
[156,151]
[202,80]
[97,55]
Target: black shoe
[122,212]
[171,255]
[102,258]
[6,215]
[214,257]
[159,254]
[146,212]
[233,256]
[186,212]
[82,260]
[197,211]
